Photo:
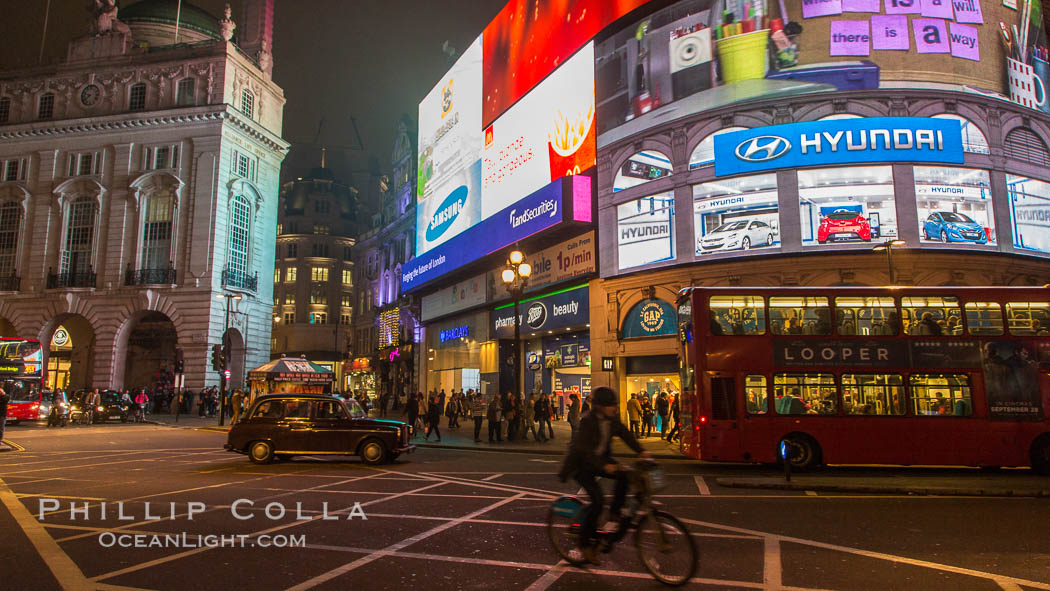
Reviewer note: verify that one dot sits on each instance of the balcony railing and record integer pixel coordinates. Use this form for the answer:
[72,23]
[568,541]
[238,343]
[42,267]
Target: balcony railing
[70,279]
[240,279]
[10,283]
[165,276]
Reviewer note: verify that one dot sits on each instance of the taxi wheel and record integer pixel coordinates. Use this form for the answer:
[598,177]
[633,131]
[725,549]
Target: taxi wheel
[373,452]
[260,452]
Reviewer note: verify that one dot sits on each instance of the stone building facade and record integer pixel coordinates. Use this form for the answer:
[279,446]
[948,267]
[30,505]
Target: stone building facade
[139,183]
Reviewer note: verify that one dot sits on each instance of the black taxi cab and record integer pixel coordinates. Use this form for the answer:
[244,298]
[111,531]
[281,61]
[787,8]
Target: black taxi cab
[285,425]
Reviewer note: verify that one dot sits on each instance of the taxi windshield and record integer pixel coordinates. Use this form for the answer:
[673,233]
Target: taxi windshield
[355,409]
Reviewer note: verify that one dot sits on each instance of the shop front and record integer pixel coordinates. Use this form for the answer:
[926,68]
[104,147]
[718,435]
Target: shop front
[556,344]
[359,376]
[461,355]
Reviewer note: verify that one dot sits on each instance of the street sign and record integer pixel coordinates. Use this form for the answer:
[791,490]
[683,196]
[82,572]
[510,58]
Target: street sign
[227,372]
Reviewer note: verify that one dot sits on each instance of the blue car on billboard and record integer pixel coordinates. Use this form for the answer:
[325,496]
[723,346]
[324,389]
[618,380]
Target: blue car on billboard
[949,226]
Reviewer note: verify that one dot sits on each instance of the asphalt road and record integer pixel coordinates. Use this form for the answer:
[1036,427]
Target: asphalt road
[451,519]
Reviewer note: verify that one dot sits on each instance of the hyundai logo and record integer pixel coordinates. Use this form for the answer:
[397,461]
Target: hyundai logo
[762,148]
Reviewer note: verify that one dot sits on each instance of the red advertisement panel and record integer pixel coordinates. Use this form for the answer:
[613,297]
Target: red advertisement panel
[530,38]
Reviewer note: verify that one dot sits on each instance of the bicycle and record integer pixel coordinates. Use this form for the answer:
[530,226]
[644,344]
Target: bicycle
[665,547]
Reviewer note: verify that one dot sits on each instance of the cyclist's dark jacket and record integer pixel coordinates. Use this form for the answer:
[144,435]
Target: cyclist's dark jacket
[584,447]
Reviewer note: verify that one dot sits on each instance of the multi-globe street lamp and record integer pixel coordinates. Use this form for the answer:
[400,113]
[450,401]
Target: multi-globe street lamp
[515,277]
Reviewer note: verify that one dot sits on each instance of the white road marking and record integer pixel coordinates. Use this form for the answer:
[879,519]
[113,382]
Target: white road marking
[701,485]
[336,572]
[68,574]
[493,477]
[772,573]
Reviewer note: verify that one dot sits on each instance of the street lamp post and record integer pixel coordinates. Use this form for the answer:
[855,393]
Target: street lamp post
[888,247]
[515,278]
[225,356]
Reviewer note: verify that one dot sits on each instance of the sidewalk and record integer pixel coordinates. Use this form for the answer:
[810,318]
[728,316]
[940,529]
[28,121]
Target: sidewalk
[461,438]
[975,483]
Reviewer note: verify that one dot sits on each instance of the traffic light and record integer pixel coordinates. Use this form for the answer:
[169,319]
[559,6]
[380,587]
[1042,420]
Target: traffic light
[180,365]
[218,360]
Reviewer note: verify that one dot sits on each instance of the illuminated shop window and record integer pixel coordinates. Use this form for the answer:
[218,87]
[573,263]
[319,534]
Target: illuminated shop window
[641,168]
[736,214]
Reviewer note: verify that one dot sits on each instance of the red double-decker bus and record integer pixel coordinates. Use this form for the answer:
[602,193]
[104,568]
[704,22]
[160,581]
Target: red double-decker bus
[21,373]
[954,376]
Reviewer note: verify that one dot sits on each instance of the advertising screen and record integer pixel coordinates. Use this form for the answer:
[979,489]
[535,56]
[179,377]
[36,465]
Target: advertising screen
[846,205]
[736,214]
[528,39]
[645,230]
[954,205]
[1029,212]
[690,56]
[448,188]
[548,134]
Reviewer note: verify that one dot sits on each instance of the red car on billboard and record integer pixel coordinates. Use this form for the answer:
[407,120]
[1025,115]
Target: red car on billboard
[844,224]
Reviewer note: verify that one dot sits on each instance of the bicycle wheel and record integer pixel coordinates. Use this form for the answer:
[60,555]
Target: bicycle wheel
[563,528]
[666,548]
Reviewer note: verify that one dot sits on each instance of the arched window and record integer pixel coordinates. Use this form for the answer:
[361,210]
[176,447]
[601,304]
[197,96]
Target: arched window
[157,230]
[5,109]
[137,97]
[973,138]
[839,116]
[185,92]
[704,153]
[1023,144]
[248,103]
[240,238]
[645,166]
[80,236]
[10,226]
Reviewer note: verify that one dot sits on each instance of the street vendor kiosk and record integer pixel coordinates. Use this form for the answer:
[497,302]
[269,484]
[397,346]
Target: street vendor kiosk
[290,374]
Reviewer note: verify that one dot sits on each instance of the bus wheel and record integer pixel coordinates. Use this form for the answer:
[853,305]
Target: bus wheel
[806,452]
[1040,455]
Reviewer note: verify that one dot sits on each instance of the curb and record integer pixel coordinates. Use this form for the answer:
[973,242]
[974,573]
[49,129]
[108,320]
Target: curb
[540,451]
[14,446]
[213,428]
[893,490]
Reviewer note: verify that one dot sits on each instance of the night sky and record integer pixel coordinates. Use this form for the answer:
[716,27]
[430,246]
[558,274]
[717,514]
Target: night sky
[370,59]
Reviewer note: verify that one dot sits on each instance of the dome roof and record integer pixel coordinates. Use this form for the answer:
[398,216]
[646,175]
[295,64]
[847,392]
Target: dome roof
[163,12]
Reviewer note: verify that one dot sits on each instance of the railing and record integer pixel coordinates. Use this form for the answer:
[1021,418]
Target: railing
[240,279]
[70,279]
[10,283]
[165,276]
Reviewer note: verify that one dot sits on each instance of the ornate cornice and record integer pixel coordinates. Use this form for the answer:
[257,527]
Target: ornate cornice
[89,126]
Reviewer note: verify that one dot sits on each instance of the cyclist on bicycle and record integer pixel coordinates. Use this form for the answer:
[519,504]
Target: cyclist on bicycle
[590,457]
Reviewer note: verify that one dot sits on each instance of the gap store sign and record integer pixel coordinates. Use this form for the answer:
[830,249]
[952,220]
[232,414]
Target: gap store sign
[839,141]
[565,200]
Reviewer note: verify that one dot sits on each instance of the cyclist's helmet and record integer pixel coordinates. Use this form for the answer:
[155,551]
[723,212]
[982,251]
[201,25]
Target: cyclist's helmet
[604,396]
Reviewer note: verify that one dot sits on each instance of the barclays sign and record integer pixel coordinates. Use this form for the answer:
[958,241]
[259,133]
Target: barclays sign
[839,141]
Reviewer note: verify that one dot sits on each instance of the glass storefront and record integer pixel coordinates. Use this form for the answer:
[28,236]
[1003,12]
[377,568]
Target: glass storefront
[460,355]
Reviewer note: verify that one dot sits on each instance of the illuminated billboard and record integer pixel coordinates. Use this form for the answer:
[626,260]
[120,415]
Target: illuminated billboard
[448,187]
[529,39]
[545,136]
[686,58]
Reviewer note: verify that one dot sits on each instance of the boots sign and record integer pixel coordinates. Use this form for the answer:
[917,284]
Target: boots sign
[555,311]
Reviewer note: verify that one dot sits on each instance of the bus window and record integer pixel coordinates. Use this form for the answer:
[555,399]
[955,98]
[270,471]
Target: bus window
[936,316]
[1028,319]
[941,395]
[756,393]
[799,315]
[738,315]
[804,393]
[872,394]
[984,319]
[866,316]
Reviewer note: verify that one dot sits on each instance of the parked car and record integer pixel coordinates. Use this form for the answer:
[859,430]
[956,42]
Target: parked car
[285,425]
[737,235]
[844,224]
[948,226]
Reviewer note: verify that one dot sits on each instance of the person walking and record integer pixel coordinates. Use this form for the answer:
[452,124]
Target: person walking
[493,416]
[434,417]
[411,412]
[3,413]
[574,413]
[647,416]
[543,416]
[452,410]
[92,402]
[477,410]
[550,413]
[530,418]
[634,416]
[237,401]
[675,433]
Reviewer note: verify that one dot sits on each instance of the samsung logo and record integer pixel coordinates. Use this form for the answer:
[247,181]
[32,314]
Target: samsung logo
[762,148]
[446,213]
